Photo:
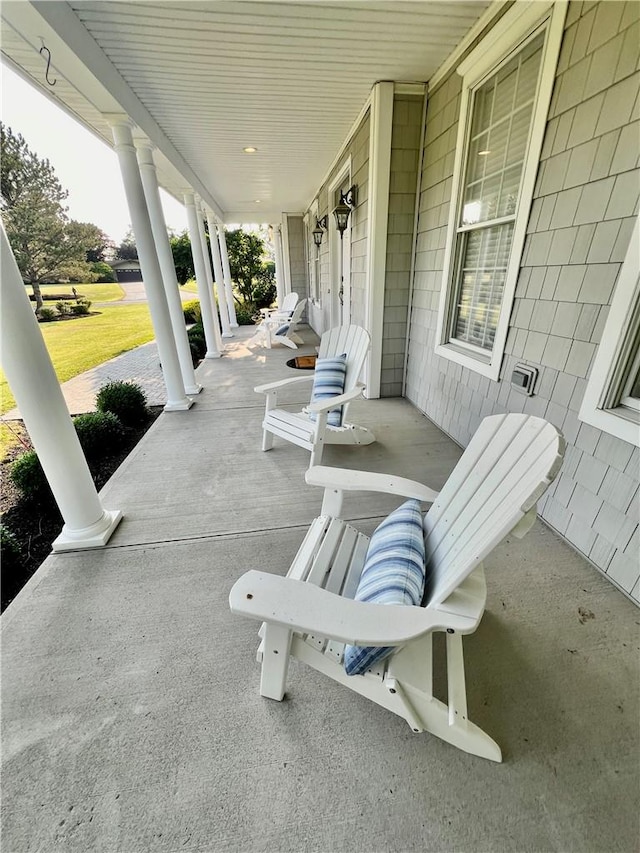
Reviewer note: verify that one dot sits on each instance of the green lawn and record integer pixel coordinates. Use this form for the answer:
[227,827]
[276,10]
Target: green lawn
[80,344]
[94,292]
[190,286]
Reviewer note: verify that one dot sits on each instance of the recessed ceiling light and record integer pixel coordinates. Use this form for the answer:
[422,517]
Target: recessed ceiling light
[258,201]
[483,153]
[249,149]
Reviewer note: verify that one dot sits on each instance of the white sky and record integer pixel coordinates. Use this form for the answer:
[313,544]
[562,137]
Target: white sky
[83,164]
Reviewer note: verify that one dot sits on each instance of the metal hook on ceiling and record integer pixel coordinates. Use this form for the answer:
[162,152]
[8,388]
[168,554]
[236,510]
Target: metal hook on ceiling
[46,73]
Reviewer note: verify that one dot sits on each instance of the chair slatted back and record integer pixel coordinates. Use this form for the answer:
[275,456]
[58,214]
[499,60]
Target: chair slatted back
[289,302]
[506,468]
[355,341]
[296,317]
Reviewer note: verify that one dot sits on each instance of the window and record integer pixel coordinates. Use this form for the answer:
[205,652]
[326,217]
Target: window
[612,396]
[507,83]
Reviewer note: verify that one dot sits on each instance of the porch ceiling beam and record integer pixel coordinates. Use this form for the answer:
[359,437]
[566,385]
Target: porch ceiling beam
[78,58]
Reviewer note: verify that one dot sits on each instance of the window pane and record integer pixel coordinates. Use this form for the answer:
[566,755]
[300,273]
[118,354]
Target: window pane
[481,277]
[500,122]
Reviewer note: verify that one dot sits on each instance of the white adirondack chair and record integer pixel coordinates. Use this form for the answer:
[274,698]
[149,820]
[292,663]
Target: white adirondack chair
[276,330]
[310,614]
[284,311]
[298,427]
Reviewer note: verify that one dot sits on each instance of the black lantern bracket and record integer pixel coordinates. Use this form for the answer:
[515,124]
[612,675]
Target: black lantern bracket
[318,231]
[344,207]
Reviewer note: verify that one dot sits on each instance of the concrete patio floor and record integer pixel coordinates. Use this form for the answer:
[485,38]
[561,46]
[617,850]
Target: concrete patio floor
[131,718]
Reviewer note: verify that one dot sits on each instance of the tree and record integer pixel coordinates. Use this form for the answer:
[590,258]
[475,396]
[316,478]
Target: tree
[99,246]
[46,245]
[127,250]
[253,277]
[182,257]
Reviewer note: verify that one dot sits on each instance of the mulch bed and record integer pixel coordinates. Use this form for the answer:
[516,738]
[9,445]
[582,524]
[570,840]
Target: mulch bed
[35,527]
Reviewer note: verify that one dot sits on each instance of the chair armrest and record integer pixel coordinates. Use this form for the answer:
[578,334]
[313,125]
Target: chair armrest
[282,383]
[304,607]
[341,479]
[334,402]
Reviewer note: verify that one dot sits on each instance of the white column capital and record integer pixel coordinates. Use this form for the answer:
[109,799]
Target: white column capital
[144,150]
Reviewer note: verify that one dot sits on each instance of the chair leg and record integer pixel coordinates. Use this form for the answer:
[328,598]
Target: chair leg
[267,439]
[276,646]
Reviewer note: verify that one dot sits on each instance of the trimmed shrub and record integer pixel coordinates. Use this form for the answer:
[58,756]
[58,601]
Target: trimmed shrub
[191,311]
[197,340]
[9,547]
[47,315]
[81,307]
[63,308]
[100,433]
[245,315]
[126,400]
[29,479]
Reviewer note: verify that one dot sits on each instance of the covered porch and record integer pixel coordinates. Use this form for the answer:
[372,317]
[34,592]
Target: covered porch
[131,714]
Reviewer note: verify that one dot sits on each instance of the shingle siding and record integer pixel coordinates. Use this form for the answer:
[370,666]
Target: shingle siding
[585,201]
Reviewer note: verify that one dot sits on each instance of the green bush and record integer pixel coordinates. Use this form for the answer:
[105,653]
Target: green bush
[100,433]
[9,547]
[191,311]
[264,294]
[245,315]
[104,272]
[47,315]
[81,307]
[126,400]
[197,341]
[29,479]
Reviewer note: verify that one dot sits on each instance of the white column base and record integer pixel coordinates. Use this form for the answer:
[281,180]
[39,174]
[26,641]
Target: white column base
[213,355]
[193,389]
[179,406]
[234,325]
[227,334]
[95,536]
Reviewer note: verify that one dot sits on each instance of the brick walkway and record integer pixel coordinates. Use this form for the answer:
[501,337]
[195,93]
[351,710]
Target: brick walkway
[139,365]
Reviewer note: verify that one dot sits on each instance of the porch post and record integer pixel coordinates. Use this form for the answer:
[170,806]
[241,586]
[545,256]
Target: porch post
[167,266]
[209,319]
[30,374]
[218,274]
[228,285]
[206,257]
[277,246]
[151,275]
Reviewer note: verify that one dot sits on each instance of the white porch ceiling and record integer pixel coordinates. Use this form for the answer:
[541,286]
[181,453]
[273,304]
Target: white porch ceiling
[205,79]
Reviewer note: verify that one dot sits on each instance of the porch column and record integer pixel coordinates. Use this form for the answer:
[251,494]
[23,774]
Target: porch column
[228,285]
[209,317]
[206,257]
[218,275]
[30,374]
[151,275]
[167,266]
[277,246]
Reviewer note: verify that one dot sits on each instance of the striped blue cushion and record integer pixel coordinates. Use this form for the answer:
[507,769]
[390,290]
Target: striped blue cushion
[283,330]
[393,573]
[328,381]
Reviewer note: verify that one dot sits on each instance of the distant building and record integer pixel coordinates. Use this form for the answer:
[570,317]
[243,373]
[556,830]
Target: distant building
[127,270]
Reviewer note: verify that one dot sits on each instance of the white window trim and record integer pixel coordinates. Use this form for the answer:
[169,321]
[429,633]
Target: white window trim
[621,324]
[312,253]
[511,30]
